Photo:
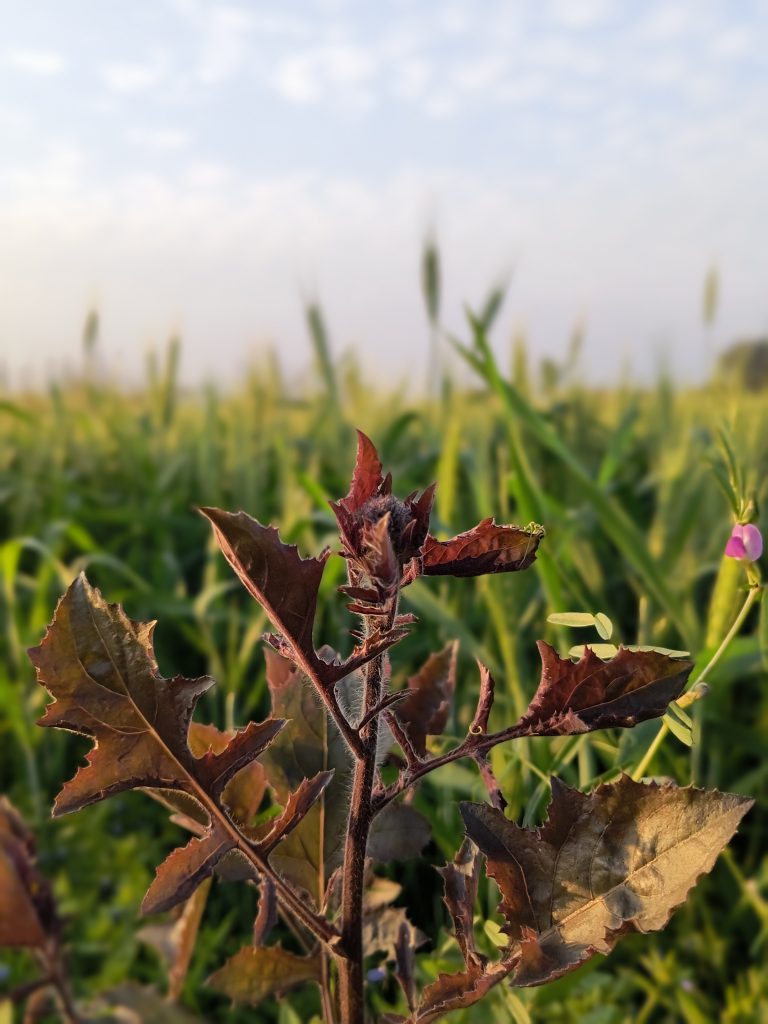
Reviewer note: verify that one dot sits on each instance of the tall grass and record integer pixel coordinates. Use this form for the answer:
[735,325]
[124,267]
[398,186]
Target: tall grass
[93,477]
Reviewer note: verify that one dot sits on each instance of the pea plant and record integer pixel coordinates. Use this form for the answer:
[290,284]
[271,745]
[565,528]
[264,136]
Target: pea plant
[308,804]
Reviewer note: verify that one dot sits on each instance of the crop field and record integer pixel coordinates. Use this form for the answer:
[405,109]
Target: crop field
[626,482]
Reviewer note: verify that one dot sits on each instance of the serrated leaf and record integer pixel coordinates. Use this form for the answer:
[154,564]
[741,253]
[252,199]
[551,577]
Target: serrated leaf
[285,584]
[100,669]
[308,746]
[486,548]
[457,991]
[244,793]
[619,859]
[185,868]
[426,710]
[593,694]
[399,832]
[460,879]
[255,972]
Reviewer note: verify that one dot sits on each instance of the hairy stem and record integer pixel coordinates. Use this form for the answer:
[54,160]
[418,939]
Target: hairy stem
[351,980]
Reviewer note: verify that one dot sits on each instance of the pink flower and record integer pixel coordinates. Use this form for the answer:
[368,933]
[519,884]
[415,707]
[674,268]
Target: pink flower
[745,542]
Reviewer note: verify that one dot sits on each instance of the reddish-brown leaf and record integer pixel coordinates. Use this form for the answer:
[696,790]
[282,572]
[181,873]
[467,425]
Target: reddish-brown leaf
[28,914]
[593,694]
[366,476]
[308,747]
[284,583]
[486,548]
[244,792]
[425,712]
[461,877]
[185,868]
[99,666]
[175,940]
[619,859]
[299,803]
[458,991]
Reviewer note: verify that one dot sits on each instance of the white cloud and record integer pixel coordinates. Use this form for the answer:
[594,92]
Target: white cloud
[226,43]
[127,78]
[44,63]
[580,14]
[159,138]
[309,75]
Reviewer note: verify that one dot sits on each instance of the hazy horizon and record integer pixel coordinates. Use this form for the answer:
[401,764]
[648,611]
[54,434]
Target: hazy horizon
[203,168]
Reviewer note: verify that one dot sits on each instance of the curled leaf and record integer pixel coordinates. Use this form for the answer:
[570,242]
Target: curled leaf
[425,711]
[593,694]
[486,548]
[460,878]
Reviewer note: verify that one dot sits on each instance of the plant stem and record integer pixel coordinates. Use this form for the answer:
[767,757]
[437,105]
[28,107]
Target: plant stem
[752,596]
[351,981]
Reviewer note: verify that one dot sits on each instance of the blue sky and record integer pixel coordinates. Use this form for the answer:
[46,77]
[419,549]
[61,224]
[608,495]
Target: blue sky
[201,166]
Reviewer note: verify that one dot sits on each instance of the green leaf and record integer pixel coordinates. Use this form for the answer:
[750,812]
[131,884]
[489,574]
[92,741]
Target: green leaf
[574,619]
[600,650]
[603,625]
[682,732]
[256,972]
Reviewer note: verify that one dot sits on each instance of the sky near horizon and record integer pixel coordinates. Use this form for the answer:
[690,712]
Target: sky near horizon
[205,167]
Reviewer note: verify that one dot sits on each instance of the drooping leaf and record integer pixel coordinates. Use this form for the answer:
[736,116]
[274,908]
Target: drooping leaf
[405,964]
[460,878]
[619,859]
[382,931]
[255,972]
[28,913]
[175,940]
[308,746]
[426,710]
[486,548]
[593,694]
[399,832]
[99,666]
[266,917]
